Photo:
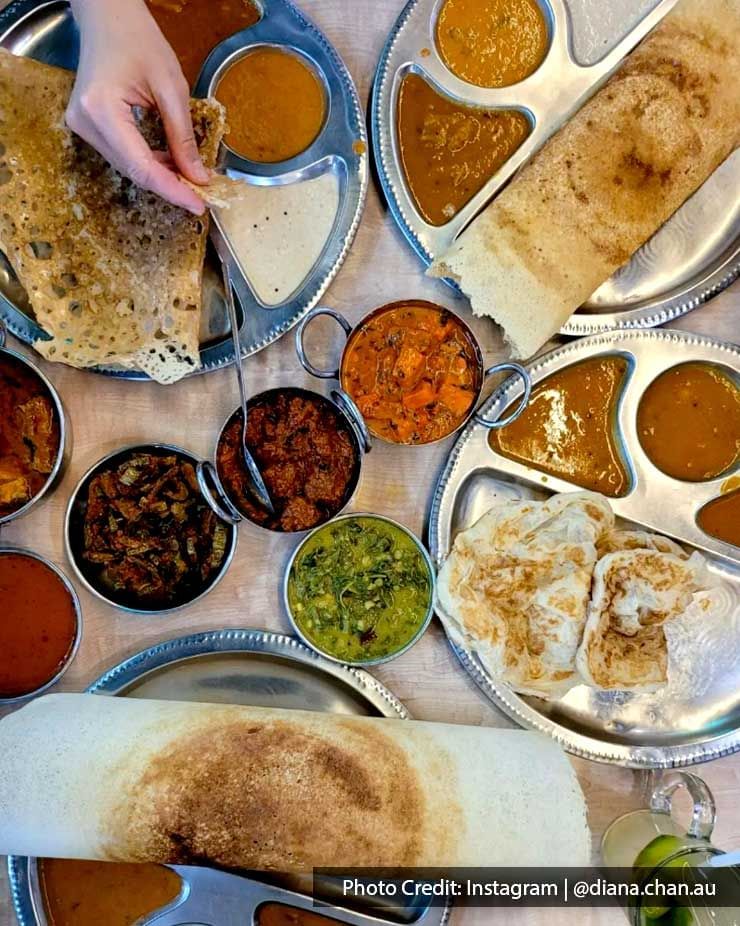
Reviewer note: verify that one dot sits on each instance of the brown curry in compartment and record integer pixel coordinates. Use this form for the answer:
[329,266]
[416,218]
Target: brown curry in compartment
[275,104]
[306,453]
[414,372]
[569,428]
[449,151]
[29,435]
[195,27]
[78,893]
[688,422]
[721,518]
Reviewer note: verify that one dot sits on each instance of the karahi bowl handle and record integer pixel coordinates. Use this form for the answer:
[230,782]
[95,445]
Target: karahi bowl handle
[300,345]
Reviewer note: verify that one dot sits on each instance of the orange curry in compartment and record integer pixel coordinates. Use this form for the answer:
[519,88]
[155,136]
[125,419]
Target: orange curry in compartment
[688,422]
[448,151]
[721,518]
[78,893]
[414,372]
[195,27]
[569,427]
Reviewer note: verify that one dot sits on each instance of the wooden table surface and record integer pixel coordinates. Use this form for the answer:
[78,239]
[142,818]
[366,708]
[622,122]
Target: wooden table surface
[107,413]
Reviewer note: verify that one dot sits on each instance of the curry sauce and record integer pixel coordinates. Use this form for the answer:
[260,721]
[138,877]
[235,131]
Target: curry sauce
[688,422]
[275,105]
[492,43]
[195,27]
[448,151]
[413,370]
[721,518]
[78,893]
[569,428]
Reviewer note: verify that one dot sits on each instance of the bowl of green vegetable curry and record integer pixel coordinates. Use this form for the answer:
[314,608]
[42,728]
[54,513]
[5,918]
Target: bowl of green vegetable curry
[360,589]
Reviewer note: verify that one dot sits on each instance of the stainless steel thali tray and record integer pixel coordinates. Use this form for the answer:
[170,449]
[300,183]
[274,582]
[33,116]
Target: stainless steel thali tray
[44,29]
[641,730]
[691,259]
[236,667]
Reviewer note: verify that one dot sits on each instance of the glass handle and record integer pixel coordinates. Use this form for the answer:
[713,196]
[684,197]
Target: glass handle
[704,812]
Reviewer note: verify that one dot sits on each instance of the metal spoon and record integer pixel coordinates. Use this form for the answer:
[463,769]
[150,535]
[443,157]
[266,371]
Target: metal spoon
[255,482]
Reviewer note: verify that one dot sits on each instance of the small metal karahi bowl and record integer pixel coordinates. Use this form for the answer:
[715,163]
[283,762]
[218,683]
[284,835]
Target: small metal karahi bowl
[422,626]
[481,372]
[74,533]
[65,442]
[226,506]
[69,658]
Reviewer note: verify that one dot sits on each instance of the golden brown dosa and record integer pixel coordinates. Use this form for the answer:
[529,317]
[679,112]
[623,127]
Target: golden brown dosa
[608,180]
[247,787]
[113,272]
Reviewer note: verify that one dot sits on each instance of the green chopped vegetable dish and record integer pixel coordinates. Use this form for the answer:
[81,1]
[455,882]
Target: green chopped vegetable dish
[360,589]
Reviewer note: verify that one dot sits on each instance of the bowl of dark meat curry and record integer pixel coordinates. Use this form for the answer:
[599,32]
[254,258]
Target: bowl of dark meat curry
[140,535]
[414,370]
[33,434]
[309,451]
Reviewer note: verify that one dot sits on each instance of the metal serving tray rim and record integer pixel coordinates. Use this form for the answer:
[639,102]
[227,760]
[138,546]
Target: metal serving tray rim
[513,705]
[118,678]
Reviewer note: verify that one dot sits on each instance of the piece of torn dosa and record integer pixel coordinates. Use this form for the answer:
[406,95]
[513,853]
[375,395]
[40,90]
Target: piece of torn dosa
[123,779]
[516,587]
[113,272]
[601,187]
[635,593]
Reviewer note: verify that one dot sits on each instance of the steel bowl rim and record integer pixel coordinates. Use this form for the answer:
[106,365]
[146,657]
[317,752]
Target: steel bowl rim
[72,558]
[9,549]
[59,458]
[358,464]
[432,591]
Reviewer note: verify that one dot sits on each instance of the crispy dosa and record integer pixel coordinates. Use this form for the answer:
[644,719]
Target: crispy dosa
[113,272]
[516,587]
[88,776]
[608,180]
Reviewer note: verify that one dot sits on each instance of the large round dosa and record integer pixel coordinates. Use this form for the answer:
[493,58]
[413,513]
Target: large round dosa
[88,776]
[608,180]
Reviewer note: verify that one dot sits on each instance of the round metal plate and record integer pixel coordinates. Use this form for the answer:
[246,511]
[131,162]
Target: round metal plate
[639,730]
[691,259]
[249,667]
[44,29]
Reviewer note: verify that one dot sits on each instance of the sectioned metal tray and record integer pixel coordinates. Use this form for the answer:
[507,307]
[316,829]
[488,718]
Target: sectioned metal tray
[250,667]
[691,259]
[44,29]
[642,730]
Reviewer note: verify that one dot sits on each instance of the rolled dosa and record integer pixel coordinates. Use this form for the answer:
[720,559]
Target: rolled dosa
[88,776]
[601,187]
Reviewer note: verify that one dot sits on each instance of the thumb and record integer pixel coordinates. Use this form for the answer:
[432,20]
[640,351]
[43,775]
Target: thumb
[174,108]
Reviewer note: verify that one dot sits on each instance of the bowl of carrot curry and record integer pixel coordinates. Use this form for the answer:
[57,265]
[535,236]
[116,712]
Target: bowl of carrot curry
[414,370]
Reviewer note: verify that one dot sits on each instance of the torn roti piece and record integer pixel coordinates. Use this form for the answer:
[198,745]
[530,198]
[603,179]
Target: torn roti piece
[113,272]
[636,592]
[617,540]
[608,180]
[516,588]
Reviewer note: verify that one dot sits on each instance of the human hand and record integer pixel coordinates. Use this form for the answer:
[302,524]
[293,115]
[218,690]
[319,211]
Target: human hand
[125,61]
